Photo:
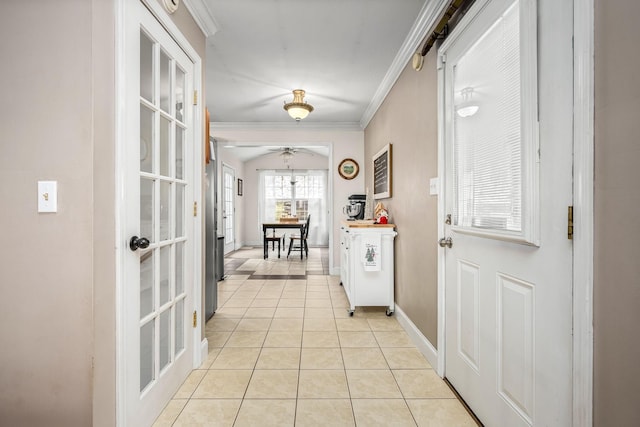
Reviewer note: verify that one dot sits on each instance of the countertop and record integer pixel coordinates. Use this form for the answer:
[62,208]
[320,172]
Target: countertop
[366,224]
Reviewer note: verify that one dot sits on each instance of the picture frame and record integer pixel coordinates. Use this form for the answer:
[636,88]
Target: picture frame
[348,169]
[239,187]
[382,173]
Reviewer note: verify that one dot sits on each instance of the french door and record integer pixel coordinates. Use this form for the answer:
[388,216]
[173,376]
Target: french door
[158,183]
[228,207]
[508,262]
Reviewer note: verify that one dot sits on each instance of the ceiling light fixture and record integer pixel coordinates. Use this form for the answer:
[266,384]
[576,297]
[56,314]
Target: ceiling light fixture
[467,107]
[298,109]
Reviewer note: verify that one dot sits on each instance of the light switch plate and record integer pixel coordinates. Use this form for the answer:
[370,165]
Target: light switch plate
[47,196]
[433,186]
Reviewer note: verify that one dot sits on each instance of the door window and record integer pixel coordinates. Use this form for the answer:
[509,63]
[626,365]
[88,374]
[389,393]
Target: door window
[494,186]
[162,206]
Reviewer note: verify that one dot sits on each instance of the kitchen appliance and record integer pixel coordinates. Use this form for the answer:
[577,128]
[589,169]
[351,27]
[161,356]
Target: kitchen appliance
[355,209]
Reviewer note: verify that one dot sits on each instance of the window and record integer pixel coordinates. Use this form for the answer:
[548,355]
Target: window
[300,193]
[491,96]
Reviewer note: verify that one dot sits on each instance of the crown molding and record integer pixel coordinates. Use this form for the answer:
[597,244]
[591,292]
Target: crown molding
[302,126]
[430,13]
[203,16]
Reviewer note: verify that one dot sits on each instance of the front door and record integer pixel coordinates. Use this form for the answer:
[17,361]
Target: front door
[157,188]
[508,274]
[228,207]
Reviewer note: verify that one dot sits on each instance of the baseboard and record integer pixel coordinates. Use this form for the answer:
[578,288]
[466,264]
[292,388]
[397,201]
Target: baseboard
[204,350]
[423,344]
[335,271]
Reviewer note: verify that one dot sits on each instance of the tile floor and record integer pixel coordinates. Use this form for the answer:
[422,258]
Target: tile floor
[283,351]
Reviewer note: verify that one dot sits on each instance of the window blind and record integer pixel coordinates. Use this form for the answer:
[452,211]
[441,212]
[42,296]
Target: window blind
[488,144]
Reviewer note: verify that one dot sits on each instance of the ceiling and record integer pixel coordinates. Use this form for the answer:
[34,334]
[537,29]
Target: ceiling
[342,52]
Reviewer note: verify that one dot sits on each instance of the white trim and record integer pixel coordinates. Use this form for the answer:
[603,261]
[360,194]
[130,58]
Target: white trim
[442,253]
[428,16]
[583,200]
[420,341]
[120,132]
[285,126]
[203,16]
[165,20]
[204,350]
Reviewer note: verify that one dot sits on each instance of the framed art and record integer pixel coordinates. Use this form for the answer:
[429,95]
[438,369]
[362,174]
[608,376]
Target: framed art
[348,169]
[239,187]
[382,173]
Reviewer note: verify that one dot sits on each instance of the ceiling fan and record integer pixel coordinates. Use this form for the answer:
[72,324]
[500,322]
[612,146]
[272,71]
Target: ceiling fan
[288,152]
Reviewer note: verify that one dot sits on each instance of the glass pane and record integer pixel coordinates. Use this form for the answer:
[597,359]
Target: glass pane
[179,210]
[146,283]
[146,139]
[165,338]
[179,94]
[302,209]
[487,130]
[165,81]
[179,268]
[165,132]
[146,67]
[165,209]
[146,208]
[147,371]
[228,208]
[179,334]
[165,263]
[179,152]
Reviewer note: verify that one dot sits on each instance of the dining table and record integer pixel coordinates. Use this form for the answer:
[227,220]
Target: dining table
[276,225]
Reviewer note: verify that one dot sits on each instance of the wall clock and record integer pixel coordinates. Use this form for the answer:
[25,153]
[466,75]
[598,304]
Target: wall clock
[348,169]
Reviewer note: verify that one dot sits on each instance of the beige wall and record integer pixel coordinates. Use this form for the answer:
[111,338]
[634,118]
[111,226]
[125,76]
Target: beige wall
[57,273]
[104,195]
[46,277]
[408,120]
[617,213]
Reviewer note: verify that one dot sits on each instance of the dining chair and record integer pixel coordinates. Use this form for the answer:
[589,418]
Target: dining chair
[274,238]
[302,239]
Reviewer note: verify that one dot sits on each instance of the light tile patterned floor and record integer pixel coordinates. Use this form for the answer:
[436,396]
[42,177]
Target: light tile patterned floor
[284,352]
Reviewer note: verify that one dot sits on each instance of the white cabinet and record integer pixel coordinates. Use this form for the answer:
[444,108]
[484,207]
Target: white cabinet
[367,264]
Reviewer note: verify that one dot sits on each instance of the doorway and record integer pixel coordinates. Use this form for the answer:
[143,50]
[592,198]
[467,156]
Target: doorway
[228,208]
[158,183]
[506,260]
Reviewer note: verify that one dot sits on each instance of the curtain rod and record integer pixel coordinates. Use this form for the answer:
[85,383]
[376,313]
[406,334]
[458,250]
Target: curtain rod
[441,28]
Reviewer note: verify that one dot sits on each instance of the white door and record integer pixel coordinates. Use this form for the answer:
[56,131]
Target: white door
[228,207]
[157,189]
[508,272]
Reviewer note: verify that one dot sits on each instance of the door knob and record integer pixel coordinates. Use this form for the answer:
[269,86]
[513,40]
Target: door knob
[138,242]
[445,242]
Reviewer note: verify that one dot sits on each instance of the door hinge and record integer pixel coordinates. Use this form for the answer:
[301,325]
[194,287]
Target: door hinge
[570,223]
[195,318]
[195,208]
[195,97]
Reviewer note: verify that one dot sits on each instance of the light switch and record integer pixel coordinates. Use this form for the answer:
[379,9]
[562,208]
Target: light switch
[433,186]
[47,196]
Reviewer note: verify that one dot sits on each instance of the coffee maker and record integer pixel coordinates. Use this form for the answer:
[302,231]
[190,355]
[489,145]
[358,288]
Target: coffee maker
[355,209]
